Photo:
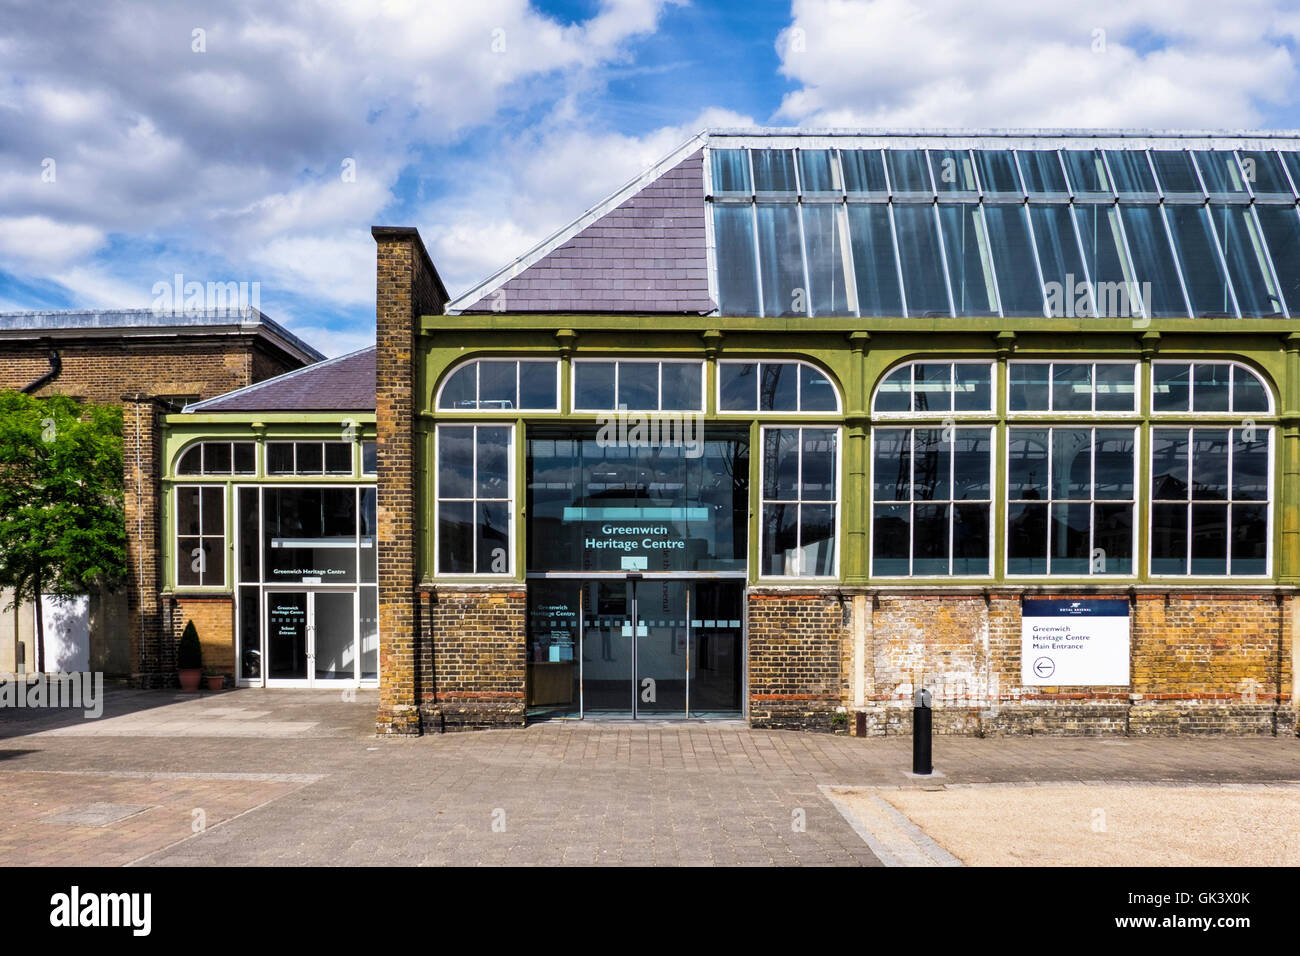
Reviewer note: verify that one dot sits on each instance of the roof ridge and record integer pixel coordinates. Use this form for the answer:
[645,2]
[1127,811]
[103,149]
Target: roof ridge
[315,366]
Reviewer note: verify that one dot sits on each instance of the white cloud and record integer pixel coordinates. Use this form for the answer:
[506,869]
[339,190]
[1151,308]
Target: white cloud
[38,242]
[1005,63]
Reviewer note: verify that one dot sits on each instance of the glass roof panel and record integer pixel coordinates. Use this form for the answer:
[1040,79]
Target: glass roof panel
[1243,248]
[864,171]
[907,171]
[1013,257]
[1064,279]
[1198,254]
[821,230]
[733,230]
[918,251]
[774,171]
[970,270]
[997,171]
[1103,255]
[730,171]
[1042,171]
[874,266]
[817,171]
[1264,172]
[1291,160]
[1153,259]
[1281,225]
[1087,171]
[1220,172]
[1177,172]
[1131,171]
[953,170]
[780,257]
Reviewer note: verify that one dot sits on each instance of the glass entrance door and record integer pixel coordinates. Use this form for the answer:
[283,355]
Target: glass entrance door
[311,637]
[644,648]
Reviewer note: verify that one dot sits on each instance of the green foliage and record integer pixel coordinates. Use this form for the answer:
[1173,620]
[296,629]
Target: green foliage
[61,496]
[189,656]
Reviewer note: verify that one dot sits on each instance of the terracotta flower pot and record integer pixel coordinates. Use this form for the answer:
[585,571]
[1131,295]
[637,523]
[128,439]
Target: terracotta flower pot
[216,682]
[190,677]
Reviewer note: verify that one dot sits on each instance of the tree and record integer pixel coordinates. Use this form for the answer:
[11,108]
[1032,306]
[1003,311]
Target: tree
[62,517]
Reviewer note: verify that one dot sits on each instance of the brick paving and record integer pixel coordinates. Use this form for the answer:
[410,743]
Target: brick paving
[314,785]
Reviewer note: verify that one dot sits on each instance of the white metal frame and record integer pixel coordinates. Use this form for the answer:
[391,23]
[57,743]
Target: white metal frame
[219,487]
[639,360]
[759,362]
[836,502]
[201,444]
[1191,363]
[477,364]
[1089,413]
[951,392]
[509,573]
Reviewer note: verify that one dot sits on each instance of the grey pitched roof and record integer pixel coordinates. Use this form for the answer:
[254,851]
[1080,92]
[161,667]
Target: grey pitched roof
[343,384]
[149,323]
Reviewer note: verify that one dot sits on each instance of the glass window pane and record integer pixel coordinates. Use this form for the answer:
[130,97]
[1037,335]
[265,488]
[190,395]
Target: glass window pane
[930,539]
[932,387]
[191,462]
[730,170]
[1210,387]
[1071,538]
[455,462]
[216,458]
[368,531]
[1071,387]
[1250,464]
[279,458]
[780,538]
[997,171]
[1027,538]
[733,228]
[369,458]
[190,557]
[1281,226]
[1169,539]
[496,385]
[891,466]
[681,386]
[781,258]
[972,387]
[1029,384]
[1249,539]
[1042,171]
[187,510]
[1064,281]
[638,385]
[1248,392]
[1220,172]
[1153,259]
[1176,172]
[1102,245]
[1209,539]
[1169,464]
[1291,160]
[1207,283]
[1115,387]
[1071,463]
[1112,539]
[1087,174]
[774,170]
[931,465]
[338,458]
[969,268]
[972,451]
[1243,249]
[778,387]
[537,385]
[821,229]
[1113,469]
[1027,461]
[492,530]
[1264,172]
[815,171]
[1131,170]
[816,391]
[493,473]
[1013,256]
[781,464]
[970,539]
[907,171]
[738,386]
[953,170]
[309,458]
[864,170]
[245,458]
[817,539]
[895,393]
[1170,387]
[891,535]
[593,385]
[918,248]
[460,391]
[1210,464]
[818,481]
[214,562]
[873,260]
[249,567]
[455,537]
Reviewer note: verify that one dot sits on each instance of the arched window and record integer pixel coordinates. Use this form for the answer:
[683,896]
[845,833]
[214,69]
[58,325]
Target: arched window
[1224,388]
[936,388]
[493,385]
[218,458]
[788,385]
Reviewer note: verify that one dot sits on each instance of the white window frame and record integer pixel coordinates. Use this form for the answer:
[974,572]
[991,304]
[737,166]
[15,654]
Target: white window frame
[1152,501]
[1191,364]
[837,501]
[755,411]
[203,472]
[478,363]
[182,554]
[1089,413]
[322,442]
[1136,502]
[991,501]
[661,362]
[509,573]
[910,364]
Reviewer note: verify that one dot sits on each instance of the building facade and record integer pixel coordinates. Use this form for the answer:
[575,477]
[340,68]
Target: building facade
[799,423]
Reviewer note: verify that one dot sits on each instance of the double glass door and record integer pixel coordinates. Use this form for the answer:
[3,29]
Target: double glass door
[311,636]
[635,648]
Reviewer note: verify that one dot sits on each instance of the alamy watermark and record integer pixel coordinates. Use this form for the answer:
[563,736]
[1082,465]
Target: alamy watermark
[76,690]
[624,429]
[1080,298]
[196,298]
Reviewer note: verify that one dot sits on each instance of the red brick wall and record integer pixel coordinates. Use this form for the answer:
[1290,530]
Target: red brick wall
[214,619]
[797,645]
[473,658]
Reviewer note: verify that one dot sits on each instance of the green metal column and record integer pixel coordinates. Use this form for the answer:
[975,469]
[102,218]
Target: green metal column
[855,520]
[1289,493]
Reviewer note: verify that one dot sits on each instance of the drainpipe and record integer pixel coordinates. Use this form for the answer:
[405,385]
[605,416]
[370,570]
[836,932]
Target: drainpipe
[56,366]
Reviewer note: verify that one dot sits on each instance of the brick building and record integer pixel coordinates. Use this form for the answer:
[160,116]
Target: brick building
[150,363]
[799,422]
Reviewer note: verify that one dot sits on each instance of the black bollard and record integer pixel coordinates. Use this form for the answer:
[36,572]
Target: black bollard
[922,762]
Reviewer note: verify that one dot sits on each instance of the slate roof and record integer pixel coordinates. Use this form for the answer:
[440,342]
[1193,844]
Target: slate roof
[343,384]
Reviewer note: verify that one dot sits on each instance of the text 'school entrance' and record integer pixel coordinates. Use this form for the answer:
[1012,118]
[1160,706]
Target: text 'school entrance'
[635,647]
[311,636]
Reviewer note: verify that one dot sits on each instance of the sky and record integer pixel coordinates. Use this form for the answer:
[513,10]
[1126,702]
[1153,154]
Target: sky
[257,143]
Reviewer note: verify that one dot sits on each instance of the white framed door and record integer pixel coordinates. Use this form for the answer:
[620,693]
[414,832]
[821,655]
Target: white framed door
[310,637]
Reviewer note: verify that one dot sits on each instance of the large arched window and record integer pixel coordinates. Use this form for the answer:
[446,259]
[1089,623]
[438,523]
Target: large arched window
[494,385]
[785,385]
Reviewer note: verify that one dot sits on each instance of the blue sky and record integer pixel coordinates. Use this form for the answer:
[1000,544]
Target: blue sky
[216,143]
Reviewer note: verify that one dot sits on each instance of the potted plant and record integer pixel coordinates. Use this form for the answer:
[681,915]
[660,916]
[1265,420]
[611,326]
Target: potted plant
[189,658]
[215,680]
